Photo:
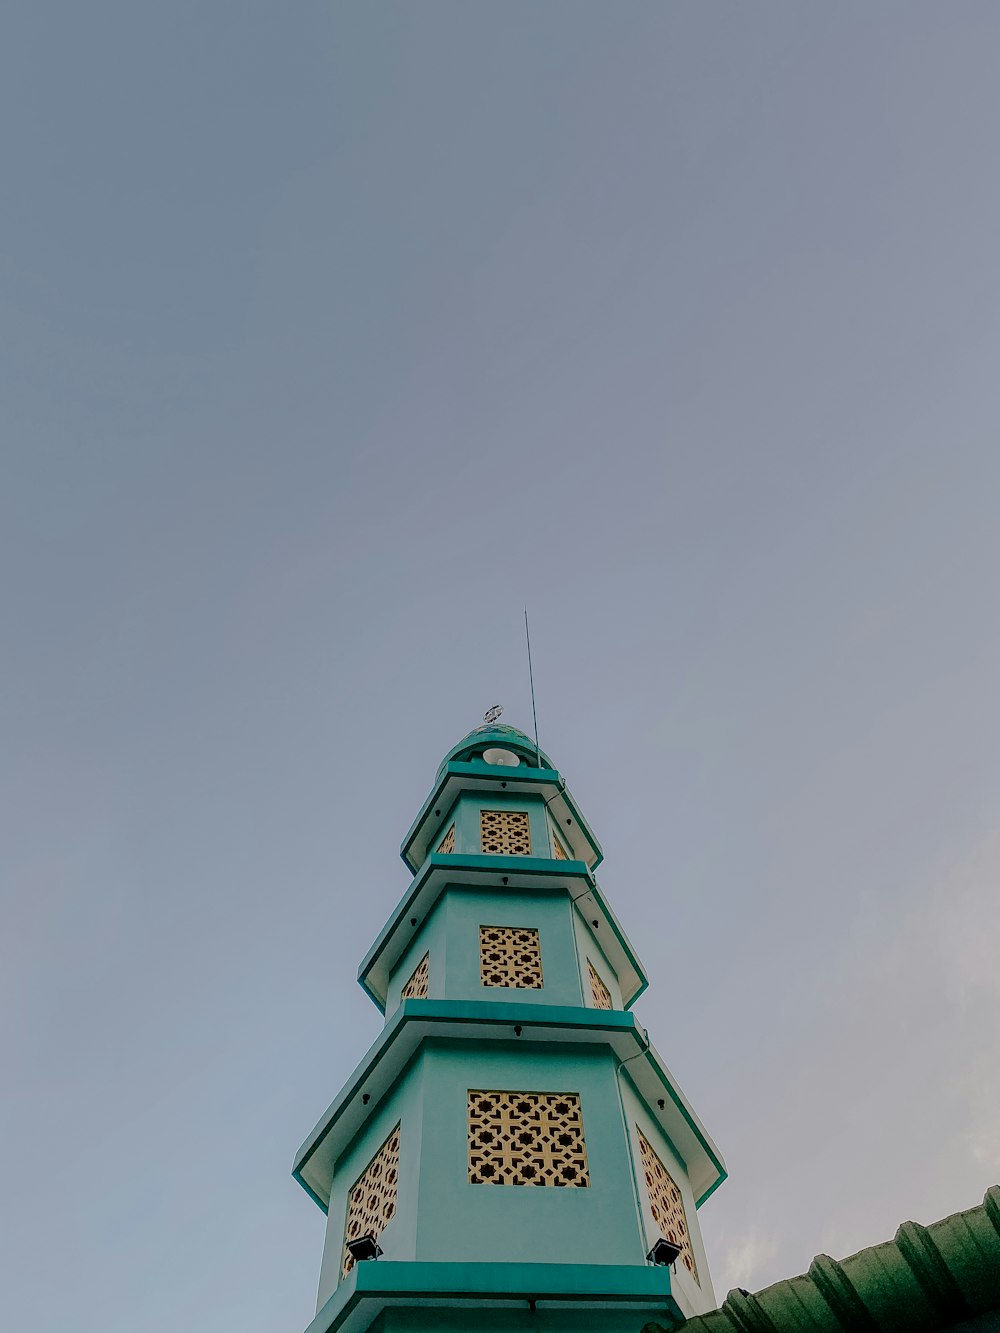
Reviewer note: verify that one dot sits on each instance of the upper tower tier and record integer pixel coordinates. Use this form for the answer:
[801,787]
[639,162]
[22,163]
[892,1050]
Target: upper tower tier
[501,759]
[501,824]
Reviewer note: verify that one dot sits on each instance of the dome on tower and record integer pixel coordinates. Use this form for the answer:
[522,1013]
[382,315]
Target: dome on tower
[495,735]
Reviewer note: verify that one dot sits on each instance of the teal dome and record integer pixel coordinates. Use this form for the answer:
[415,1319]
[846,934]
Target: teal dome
[496,734]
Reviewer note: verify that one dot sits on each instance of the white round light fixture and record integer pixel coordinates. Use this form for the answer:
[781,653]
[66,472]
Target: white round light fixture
[501,758]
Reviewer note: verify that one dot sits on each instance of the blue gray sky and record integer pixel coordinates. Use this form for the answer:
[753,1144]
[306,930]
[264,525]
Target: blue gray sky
[331,335]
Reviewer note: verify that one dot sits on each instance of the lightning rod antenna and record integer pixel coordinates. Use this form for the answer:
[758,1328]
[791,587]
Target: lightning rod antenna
[531,678]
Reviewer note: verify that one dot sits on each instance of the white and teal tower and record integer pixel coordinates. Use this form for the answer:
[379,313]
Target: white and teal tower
[512,1149]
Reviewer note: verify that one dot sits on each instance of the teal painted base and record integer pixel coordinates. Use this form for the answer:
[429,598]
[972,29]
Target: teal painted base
[485,1297]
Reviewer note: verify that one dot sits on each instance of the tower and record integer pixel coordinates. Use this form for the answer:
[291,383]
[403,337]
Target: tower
[511,1151]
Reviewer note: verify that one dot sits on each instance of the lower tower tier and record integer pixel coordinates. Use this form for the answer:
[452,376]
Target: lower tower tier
[508,1158]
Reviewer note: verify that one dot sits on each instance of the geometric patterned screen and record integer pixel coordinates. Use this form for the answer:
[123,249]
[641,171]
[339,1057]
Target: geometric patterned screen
[526,1138]
[559,852]
[505,832]
[510,956]
[665,1203]
[416,987]
[372,1202]
[448,842]
[599,993]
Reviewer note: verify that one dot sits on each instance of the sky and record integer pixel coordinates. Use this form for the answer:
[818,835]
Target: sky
[331,336]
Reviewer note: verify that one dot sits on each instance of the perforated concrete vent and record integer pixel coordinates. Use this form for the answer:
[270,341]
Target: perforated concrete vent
[448,842]
[372,1202]
[505,832]
[559,852]
[665,1203]
[599,993]
[526,1138]
[416,987]
[510,956]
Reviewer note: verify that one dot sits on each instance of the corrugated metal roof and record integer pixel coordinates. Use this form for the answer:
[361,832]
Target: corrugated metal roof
[924,1279]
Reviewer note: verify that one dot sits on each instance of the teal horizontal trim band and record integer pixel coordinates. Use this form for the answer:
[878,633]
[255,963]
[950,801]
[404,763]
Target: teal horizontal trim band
[535,865]
[532,1015]
[382,1280]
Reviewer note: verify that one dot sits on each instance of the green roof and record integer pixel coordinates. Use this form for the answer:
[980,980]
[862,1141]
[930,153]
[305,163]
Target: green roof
[924,1279]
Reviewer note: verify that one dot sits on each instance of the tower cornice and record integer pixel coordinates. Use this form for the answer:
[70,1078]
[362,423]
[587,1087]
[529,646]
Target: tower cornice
[370,1288]
[440,870]
[477,1021]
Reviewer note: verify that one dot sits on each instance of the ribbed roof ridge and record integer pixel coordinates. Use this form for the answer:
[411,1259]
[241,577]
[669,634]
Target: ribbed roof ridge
[927,1277]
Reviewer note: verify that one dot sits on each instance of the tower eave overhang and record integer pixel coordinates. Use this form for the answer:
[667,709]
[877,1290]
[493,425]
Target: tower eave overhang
[441,871]
[370,1288]
[456,777]
[485,1020]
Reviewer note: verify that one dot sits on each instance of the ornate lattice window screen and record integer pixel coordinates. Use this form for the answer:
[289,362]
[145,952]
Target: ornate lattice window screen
[505,832]
[416,987]
[372,1202]
[665,1203]
[526,1138]
[510,956]
[599,993]
[448,842]
[559,852]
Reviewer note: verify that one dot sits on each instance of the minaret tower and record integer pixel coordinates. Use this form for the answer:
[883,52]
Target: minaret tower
[511,1153]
